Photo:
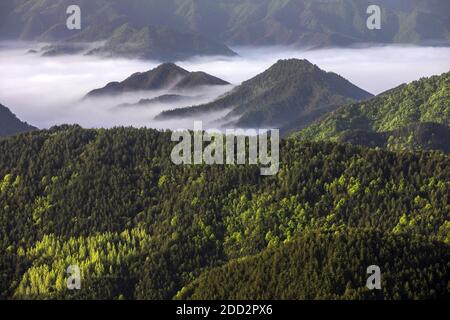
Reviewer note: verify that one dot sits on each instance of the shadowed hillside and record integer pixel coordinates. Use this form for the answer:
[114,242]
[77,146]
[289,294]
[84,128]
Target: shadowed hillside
[289,95]
[411,116]
[10,124]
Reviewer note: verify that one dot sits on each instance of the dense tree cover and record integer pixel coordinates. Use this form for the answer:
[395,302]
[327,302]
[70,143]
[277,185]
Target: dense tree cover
[415,136]
[411,116]
[103,258]
[332,265]
[141,227]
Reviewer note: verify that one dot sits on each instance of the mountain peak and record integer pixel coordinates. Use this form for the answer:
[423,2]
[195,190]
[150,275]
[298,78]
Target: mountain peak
[295,65]
[290,70]
[289,95]
[158,76]
[165,76]
[169,66]
[294,62]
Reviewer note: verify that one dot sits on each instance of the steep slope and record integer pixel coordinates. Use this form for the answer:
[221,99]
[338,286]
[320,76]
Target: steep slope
[289,95]
[416,115]
[165,76]
[10,124]
[247,22]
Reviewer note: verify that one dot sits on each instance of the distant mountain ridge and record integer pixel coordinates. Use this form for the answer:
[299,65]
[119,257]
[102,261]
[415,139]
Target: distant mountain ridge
[163,99]
[160,43]
[150,43]
[412,116]
[164,76]
[235,22]
[10,125]
[289,95]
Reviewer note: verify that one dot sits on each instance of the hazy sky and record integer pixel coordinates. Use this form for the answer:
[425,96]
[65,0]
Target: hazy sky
[46,91]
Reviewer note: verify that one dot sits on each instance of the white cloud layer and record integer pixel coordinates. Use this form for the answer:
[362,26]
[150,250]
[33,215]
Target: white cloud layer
[47,91]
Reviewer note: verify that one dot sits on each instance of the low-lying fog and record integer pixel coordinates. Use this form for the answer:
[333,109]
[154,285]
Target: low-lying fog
[48,91]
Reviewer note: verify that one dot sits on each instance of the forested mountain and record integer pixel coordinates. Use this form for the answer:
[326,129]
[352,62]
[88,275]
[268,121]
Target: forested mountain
[363,181]
[412,116]
[289,95]
[164,76]
[309,267]
[160,43]
[138,226]
[10,124]
[243,22]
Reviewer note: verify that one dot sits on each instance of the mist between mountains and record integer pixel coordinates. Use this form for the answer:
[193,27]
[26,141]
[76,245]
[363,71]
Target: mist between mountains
[217,147]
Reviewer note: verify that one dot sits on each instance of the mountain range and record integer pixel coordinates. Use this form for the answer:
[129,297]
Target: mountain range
[10,125]
[234,22]
[363,180]
[412,116]
[305,102]
[165,76]
[289,95]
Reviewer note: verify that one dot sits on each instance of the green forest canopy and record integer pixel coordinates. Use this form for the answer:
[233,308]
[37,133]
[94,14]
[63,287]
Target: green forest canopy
[112,202]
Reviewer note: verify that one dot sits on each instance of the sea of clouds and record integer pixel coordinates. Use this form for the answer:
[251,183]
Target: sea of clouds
[47,91]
